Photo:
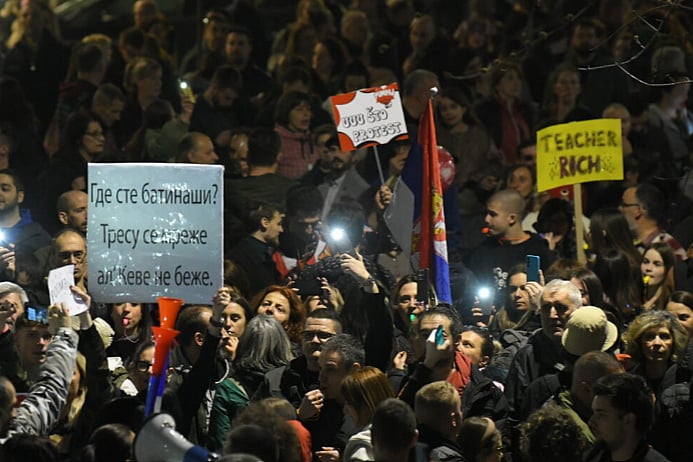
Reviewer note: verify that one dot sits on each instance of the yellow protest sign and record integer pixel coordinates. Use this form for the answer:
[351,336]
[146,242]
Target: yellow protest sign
[579,152]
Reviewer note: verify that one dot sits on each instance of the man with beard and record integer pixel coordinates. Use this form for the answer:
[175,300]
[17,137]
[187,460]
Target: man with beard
[343,181]
[19,233]
[439,358]
[643,206]
[216,25]
[238,49]
[221,106]
[301,243]
[253,254]
[600,87]
[72,210]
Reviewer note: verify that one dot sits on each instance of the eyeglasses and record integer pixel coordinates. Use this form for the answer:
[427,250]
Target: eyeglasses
[559,307]
[309,335]
[98,134]
[625,204]
[143,366]
[68,256]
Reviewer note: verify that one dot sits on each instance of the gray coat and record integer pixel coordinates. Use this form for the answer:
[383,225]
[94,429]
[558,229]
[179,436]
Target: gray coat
[41,408]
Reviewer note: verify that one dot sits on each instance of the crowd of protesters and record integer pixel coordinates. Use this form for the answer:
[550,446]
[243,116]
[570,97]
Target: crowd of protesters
[324,344]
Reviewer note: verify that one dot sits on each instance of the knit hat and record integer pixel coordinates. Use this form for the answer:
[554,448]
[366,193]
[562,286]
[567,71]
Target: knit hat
[588,329]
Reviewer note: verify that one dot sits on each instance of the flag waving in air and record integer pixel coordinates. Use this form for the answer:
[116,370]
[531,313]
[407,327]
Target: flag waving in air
[421,175]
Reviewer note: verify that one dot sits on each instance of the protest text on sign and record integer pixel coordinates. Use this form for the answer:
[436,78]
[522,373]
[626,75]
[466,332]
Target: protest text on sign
[369,117]
[579,152]
[154,230]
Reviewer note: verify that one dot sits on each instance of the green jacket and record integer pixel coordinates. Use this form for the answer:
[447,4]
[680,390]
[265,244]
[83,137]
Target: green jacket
[230,398]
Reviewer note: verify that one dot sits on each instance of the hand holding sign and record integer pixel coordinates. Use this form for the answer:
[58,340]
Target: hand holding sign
[369,117]
[60,281]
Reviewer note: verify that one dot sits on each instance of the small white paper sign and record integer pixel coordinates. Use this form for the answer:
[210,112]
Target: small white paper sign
[59,282]
[369,117]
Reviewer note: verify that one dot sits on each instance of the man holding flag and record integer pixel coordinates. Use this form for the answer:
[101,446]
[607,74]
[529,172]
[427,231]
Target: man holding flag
[419,195]
[422,175]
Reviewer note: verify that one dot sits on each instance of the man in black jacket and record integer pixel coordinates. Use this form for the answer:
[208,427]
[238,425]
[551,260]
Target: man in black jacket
[18,231]
[622,413]
[507,244]
[254,252]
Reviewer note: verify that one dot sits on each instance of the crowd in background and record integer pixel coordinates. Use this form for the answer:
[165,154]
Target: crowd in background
[324,344]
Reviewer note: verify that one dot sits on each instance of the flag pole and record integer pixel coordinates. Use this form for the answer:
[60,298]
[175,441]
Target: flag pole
[380,167]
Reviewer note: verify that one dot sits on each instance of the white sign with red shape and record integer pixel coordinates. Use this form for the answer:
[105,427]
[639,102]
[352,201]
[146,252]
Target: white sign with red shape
[369,117]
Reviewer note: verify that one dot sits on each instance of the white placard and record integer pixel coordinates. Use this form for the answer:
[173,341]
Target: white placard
[59,282]
[369,117]
[155,230]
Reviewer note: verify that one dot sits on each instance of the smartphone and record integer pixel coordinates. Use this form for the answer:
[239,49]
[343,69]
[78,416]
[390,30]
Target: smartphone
[339,241]
[440,335]
[186,90]
[533,265]
[37,314]
[486,299]
[422,292]
[307,287]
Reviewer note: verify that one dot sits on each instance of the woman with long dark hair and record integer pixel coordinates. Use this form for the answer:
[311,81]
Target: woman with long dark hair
[621,289]
[657,269]
[292,122]
[680,304]
[132,325]
[507,116]
[460,132]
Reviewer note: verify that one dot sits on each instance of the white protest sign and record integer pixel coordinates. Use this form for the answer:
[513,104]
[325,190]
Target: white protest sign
[369,117]
[155,230]
[59,282]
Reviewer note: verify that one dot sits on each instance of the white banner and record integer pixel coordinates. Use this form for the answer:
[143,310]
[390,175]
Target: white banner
[369,117]
[155,230]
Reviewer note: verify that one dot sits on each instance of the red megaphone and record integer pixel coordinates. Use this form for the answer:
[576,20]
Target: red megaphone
[168,311]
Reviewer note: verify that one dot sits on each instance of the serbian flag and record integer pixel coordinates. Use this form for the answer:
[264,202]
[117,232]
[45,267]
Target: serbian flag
[421,175]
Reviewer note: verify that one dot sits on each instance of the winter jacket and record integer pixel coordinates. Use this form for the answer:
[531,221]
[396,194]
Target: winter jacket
[47,396]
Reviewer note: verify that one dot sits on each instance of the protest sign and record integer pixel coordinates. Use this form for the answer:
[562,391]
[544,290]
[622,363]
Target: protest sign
[154,230]
[579,152]
[369,117]
[59,282]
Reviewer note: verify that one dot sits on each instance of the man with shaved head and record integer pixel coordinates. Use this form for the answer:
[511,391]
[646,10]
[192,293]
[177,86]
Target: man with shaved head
[196,148]
[507,244]
[72,210]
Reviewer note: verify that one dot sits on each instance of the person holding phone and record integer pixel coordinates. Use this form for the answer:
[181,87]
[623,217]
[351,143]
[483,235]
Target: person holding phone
[40,410]
[13,300]
[507,244]
[445,361]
